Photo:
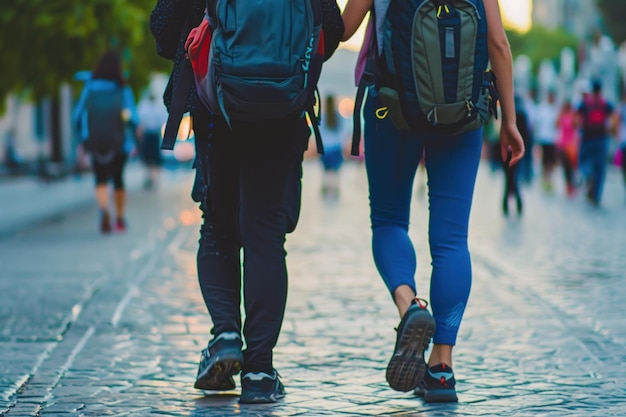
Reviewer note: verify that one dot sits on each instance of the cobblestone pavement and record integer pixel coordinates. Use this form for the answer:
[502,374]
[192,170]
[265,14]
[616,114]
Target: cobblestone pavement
[113,326]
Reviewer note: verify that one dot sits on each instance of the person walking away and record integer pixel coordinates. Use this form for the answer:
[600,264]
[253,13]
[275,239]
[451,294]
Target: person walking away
[621,136]
[492,143]
[545,124]
[103,111]
[248,186]
[526,167]
[568,144]
[333,132]
[152,117]
[511,173]
[391,157]
[595,115]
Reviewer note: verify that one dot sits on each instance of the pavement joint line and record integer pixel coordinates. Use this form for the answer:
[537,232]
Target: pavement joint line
[80,305]
[58,375]
[22,383]
[70,360]
[65,326]
[133,290]
[562,316]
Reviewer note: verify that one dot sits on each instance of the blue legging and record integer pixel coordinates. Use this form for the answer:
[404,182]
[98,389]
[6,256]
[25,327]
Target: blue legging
[391,159]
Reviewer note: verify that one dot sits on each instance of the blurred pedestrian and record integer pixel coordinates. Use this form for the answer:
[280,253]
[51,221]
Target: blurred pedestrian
[568,144]
[102,114]
[511,174]
[621,135]
[391,159]
[152,118]
[334,133]
[595,115]
[492,143]
[545,134]
[526,167]
[248,186]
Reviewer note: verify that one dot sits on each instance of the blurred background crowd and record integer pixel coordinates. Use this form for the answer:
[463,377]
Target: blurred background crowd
[48,49]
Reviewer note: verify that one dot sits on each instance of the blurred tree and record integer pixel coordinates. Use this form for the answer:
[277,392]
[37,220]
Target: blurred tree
[614,14]
[44,42]
[540,43]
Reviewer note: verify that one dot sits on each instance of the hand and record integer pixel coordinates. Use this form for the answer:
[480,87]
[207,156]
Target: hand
[511,139]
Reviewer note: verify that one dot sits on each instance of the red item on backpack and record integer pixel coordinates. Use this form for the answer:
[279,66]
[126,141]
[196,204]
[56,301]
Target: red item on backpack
[197,46]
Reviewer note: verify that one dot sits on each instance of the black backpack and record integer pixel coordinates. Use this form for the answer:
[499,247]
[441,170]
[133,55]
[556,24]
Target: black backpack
[257,60]
[105,121]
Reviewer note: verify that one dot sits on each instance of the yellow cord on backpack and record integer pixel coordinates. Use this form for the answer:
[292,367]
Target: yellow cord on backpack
[440,9]
[469,106]
[382,112]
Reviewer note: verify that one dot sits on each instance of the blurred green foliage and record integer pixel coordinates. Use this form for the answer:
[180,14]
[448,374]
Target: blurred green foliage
[540,43]
[614,14]
[43,43]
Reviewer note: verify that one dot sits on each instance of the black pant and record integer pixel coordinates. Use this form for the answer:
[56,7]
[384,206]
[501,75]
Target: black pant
[110,169]
[248,183]
[511,186]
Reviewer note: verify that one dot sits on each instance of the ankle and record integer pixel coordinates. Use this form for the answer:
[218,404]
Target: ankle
[440,354]
[403,297]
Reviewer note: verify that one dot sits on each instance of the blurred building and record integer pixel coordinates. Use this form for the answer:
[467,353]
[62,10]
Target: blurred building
[19,134]
[579,17]
[26,132]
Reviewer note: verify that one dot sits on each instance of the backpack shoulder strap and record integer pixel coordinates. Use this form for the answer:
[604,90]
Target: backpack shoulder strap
[315,122]
[178,106]
[367,79]
[210,8]
[356,117]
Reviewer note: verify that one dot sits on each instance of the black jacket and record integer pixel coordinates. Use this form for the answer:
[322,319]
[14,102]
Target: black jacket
[172,20]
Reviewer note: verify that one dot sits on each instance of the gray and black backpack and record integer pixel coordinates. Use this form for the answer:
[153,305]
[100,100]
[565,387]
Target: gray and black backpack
[432,74]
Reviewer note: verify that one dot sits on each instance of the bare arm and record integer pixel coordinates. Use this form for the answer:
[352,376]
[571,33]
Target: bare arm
[502,66]
[353,15]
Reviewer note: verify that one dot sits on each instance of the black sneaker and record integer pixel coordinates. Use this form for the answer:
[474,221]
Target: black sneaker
[420,389]
[261,387]
[407,366]
[438,385]
[219,362]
